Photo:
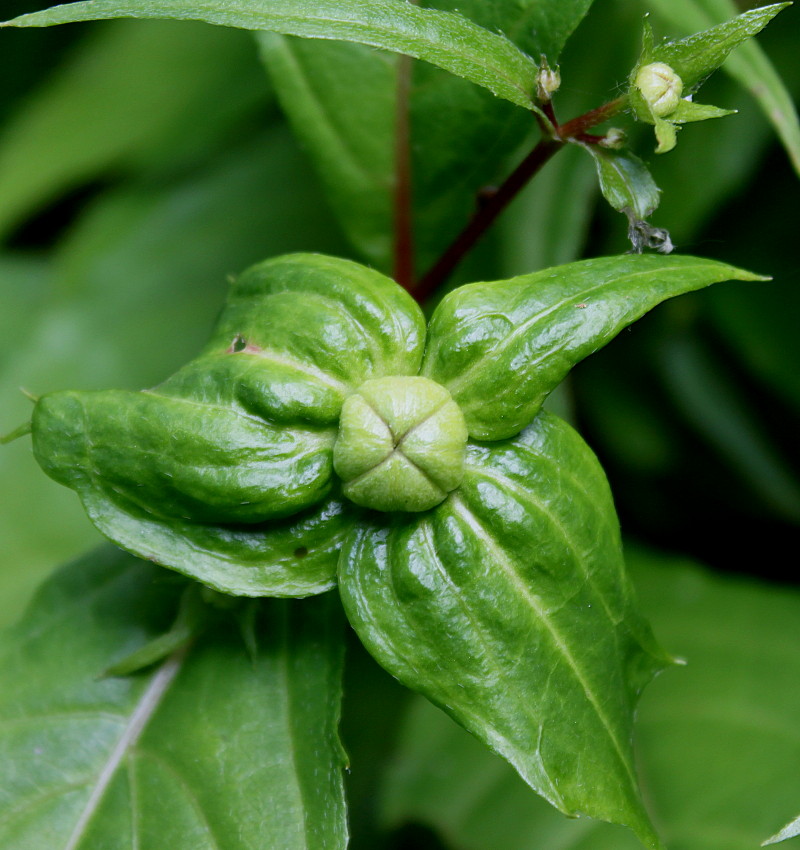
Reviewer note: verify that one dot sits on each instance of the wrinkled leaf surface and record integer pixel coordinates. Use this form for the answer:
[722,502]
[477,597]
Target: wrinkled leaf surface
[508,606]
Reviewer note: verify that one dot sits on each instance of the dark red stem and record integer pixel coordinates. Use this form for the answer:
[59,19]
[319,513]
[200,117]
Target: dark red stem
[553,139]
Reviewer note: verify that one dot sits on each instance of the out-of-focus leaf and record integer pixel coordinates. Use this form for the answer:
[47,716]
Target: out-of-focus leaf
[212,749]
[763,332]
[135,289]
[710,401]
[110,108]
[717,739]
[500,348]
[749,65]
[546,225]
[342,101]
[625,181]
[509,607]
[447,40]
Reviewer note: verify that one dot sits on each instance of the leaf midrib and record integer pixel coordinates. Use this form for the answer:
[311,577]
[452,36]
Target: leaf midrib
[455,385]
[142,712]
[558,640]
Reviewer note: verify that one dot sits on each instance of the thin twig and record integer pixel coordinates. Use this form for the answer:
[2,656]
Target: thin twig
[485,217]
[553,139]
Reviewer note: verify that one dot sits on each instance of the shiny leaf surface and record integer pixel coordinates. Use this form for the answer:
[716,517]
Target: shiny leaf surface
[444,39]
[625,181]
[509,607]
[212,749]
[717,739]
[195,474]
[500,348]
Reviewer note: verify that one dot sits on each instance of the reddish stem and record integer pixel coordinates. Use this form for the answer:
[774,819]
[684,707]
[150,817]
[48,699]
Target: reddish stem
[516,181]
[485,217]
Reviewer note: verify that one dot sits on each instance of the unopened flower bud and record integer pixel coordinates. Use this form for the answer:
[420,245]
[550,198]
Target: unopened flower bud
[660,86]
[548,81]
[401,444]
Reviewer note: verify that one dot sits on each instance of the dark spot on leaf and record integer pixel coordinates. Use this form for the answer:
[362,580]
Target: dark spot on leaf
[239,344]
[300,552]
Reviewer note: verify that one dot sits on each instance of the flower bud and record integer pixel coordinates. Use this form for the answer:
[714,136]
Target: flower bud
[401,444]
[548,81]
[660,86]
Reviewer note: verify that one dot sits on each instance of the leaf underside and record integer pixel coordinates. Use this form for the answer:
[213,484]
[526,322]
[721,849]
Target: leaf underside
[444,39]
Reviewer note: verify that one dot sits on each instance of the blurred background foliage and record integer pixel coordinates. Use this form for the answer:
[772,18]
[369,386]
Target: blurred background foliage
[143,163]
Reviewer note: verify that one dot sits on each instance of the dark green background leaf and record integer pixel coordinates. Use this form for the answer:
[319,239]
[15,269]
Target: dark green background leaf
[213,749]
[343,101]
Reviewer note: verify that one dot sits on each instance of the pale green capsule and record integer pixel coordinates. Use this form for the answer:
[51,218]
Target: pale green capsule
[401,444]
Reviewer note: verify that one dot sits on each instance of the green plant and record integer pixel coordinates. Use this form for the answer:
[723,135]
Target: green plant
[325,436]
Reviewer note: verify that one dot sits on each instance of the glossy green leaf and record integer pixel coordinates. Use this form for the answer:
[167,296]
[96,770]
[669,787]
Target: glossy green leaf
[508,606]
[342,100]
[447,40]
[196,473]
[625,181]
[791,830]
[212,749]
[717,739]
[749,65]
[125,116]
[127,297]
[502,347]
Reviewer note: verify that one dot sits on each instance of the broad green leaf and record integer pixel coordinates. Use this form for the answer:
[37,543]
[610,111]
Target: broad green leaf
[749,65]
[716,739]
[84,124]
[625,181]
[194,473]
[444,39]
[129,295]
[342,100]
[502,347]
[212,749]
[697,56]
[508,606]
[791,830]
